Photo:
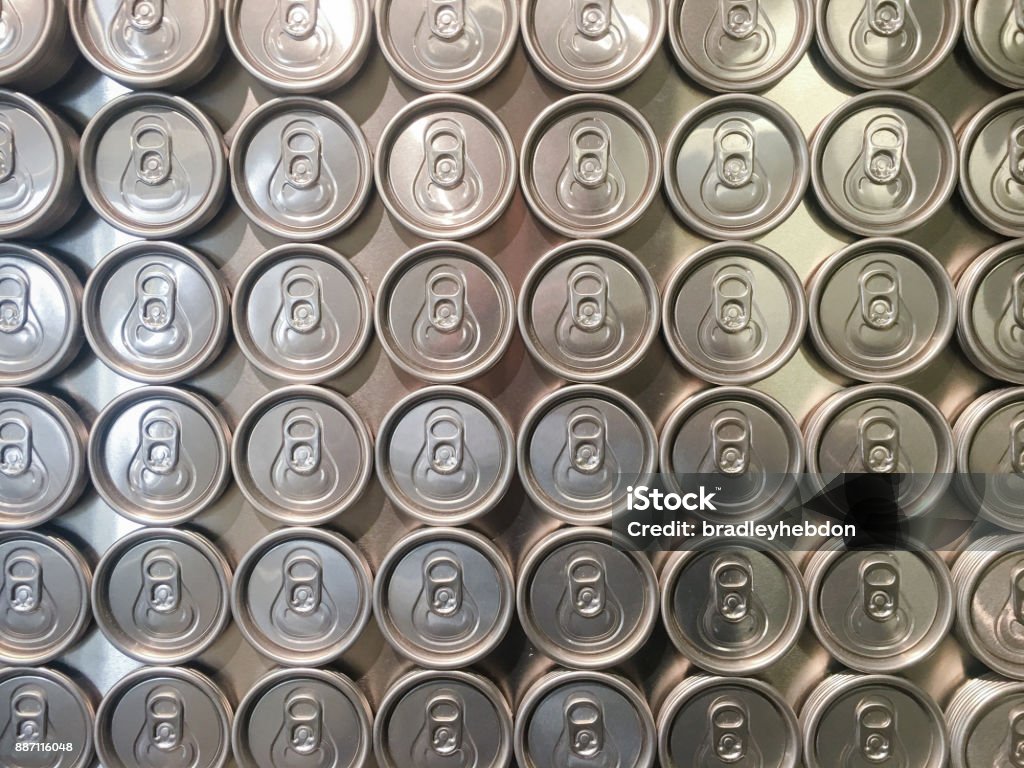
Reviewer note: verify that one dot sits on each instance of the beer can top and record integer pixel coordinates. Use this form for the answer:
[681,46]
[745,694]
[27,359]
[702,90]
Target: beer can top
[445,312]
[42,706]
[442,46]
[302,455]
[159,455]
[883,163]
[444,597]
[992,30]
[44,605]
[40,327]
[736,166]
[26,37]
[301,167]
[590,164]
[301,596]
[160,595]
[156,711]
[302,716]
[445,455]
[579,450]
[587,598]
[985,723]
[992,165]
[990,298]
[589,311]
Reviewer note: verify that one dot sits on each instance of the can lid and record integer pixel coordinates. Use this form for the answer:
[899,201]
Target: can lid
[26,36]
[42,457]
[986,723]
[589,311]
[301,596]
[741,436]
[886,43]
[881,309]
[445,312]
[580,448]
[444,46]
[445,455]
[40,327]
[992,165]
[302,455]
[42,706]
[991,30]
[44,603]
[739,45]
[444,597]
[302,716]
[301,167]
[592,46]
[570,718]
[159,455]
[446,167]
[441,718]
[883,163]
[586,598]
[154,711]
[753,322]
[155,312]
[736,721]
[161,595]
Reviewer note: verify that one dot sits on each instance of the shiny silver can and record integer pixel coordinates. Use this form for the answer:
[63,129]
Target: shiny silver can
[44,708]
[37,46]
[986,724]
[992,165]
[992,31]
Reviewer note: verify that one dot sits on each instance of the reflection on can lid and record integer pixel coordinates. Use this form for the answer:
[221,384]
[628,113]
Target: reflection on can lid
[155,312]
[753,322]
[440,45]
[156,711]
[883,163]
[592,46]
[580,448]
[40,327]
[160,595]
[300,168]
[736,722]
[739,45]
[42,457]
[44,598]
[992,165]
[586,598]
[993,30]
[882,429]
[584,718]
[311,717]
[881,309]
[872,720]
[442,718]
[35,44]
[443,597]
[752,167]
[445,455]
[300,46]
[445,312]
[446,167]
[159,455]
[42,706]
[741,436]
[589,311]
[301,596]
[302,455]
[886,43]
[986,723]
[879,611]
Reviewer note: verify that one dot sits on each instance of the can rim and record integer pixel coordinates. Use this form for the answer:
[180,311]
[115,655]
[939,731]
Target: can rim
[972,702]
[41,50]
[977,51]
[969,136]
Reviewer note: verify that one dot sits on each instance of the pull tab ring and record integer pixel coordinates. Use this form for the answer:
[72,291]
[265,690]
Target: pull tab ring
[151,150]
[732,578]
[29,713]
[584,721]
[734,153]
[734,300]
[880,589]
[876,729]
[1015,152]
[590,148]
[887,17]
[589,306]
[303,576]
[587,587]
[24,573]
[14,299]
[303,441]
[445,148]
[303,300]
[161,441]
[301,154]
[879,289]
[299,17]
[146,15]
[303,721]
[879,438]
[729,730]
[156,293]
[730,442]
[447,18]
[446,435]
[165,717]
[593,17]
[739,17]
[444,584]
[885,140]
[586,441]
[446,308]
[7,153]
[15,444]
[445,715]
[161,573]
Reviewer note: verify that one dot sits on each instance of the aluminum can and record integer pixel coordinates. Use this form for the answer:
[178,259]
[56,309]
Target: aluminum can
[881,309]
[883,163]
[444,597]
[734,313]
[586,598]
[589,311]
[300,167]
[159,455]
[590,165]
[446,167]
[580,448]
[992,165]
[986,727]
[445,455]
[42,709]
[302,455]
[156,312]
[445,313]
[992,31]
[302,717]
[301,596]
[160,595]
[36,42]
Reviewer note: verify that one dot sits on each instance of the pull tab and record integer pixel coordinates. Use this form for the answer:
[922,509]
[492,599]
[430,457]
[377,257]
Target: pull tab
[885,140]
[1017,298]
[587,586]
[1017,444]
[1016,741]
[880,589]
[302,442]
[445,718]
[879,438]
[165,718]
[584,722]
[299,17]
[593,17]
[739,17]
[734,300]
[589,305]
[161,440]
[29,713]
[733,581]
[586,441]
[15,444]
[879,289]
[876,729]
[730,730]
[302,301]
[151,151]
[161,574]
[730,443]
[1015,141]
[446,437]
[25,580]
[1018,13]
[14,299]
[447,18]
[146,15]
[156,291]
[887,17]
[734,151]
[1017,594]
[442,575]
[303,582]
[301,148]
[446,300]
[6,151]
[303,722]
[444,145]
[590,144]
